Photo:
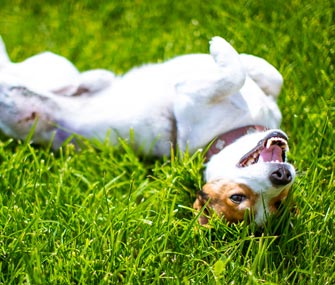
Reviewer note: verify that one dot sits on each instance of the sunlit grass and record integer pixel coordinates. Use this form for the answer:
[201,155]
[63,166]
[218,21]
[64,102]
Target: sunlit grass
[106,215]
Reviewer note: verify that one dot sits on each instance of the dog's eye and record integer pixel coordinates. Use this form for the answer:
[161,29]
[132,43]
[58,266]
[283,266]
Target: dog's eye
[238,198]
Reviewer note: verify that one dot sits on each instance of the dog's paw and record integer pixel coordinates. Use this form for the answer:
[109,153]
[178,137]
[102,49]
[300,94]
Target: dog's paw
[229,65]
[222,52]
[266,76]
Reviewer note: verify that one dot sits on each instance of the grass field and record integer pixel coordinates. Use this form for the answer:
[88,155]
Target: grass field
[103,215]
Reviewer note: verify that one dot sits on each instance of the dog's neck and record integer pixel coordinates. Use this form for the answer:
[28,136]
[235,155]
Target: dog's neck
[225,139]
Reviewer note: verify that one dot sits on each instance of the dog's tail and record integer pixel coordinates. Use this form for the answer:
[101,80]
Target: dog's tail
[4,58]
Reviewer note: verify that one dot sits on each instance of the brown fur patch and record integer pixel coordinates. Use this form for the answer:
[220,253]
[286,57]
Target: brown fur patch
[218,195]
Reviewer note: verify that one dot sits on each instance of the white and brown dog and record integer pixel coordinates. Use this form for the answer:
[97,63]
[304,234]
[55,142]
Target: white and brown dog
[186,102]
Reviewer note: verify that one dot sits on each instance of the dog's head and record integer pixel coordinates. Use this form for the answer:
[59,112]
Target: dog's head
[251,174]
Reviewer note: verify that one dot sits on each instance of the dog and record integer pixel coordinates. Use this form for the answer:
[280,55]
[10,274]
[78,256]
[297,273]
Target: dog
[222,101]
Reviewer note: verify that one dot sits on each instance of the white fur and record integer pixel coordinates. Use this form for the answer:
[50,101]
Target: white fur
[205,94]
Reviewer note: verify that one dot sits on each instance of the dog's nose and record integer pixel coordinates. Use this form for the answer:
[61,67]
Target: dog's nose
[281,176]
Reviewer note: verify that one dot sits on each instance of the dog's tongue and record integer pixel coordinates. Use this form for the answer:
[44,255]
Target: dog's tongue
[273,153]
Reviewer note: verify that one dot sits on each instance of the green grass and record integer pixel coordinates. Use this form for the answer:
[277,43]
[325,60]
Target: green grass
[104,215]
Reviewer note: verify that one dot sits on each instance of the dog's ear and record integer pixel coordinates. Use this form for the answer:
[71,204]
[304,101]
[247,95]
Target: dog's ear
[201,201]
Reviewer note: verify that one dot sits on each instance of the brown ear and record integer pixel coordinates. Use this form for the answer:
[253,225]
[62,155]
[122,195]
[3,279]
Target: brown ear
[201,200]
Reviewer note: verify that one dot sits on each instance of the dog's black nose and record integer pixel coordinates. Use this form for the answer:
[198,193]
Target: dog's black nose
[281,176]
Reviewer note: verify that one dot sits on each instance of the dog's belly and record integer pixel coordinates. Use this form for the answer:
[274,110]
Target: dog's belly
[124,110]
[141,102]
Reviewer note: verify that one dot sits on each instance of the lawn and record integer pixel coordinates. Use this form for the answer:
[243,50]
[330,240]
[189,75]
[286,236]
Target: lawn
[103,215]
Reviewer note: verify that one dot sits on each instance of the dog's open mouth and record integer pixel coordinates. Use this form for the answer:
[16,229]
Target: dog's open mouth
[272,148]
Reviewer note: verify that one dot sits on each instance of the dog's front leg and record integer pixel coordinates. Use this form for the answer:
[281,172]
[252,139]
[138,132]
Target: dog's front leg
[222,75]
[201,101]
[265,75]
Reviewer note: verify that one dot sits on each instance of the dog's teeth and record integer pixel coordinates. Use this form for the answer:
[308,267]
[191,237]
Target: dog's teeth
[279,141]
[250,162]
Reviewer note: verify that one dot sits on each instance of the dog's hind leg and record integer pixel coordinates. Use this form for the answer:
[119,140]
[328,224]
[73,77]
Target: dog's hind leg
[21,110]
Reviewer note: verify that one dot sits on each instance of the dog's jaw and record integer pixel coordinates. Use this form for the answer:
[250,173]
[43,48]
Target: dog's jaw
[252,173]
